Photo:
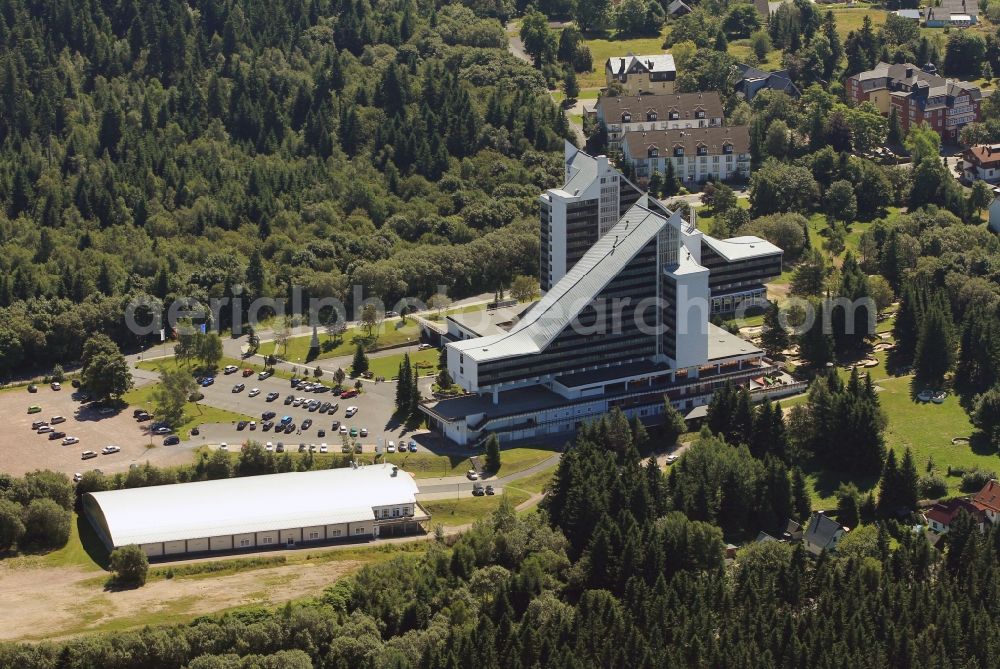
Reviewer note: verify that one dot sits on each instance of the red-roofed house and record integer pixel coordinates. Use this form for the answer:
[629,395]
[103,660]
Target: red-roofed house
[981,162]
[988,500]
[941,515]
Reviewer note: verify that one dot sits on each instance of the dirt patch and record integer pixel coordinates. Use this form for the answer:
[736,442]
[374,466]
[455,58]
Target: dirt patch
[60,602]
[23,450]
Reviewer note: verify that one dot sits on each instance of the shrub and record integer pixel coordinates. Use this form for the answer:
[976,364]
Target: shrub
[46,524]
[129,564]
[974,480]
[932,486]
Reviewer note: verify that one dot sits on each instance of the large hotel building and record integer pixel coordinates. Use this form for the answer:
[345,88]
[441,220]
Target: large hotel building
[630,288]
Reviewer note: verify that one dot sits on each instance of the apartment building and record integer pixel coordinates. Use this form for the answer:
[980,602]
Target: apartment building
[719,153]
[918,96]
[621,114]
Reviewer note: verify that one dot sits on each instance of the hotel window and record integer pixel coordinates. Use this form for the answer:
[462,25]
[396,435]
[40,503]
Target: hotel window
[651,116]
[267,540]
[359,530]
[679,151]
[334,533]
[244,543]
[626,118]
[314,535]
[395,513]
[702,151]
[727,148]
[699,114]
[674,116]
[653,152]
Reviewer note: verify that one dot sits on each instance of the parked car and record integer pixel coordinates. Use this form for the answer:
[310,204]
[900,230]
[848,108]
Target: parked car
[253,425]
[271,396]
[42,429]
[172,440]
[32,388]
[68,441]
[290,428]
[266,374]
[108,450]
[285,420]
[269,446]
[391,447]
[253,392]
[34,408]
[56,385]
[238,388]
[295,381]
[348,394]
[671,459]
[424,347]
[335,425]
[343,429]
[320,433]
[307,423]
[472,475]
[241,424]
[56,435]
[223,446]
[299,401]
[38,423]
[162,429]
[489,490]
[323,448]
[280,448]
[87,455]
[230,369]
[144,416]
[478,490]
[324,407]
[413,446]
[195,431]
[267,415]
[364,432]
[247,372]
[302,448]
[350,411]
[206,382]
[354,432]
[267,425]
[333,408]
[77,477]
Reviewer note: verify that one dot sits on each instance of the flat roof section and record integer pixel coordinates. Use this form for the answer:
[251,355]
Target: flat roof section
[741,248]
[249,504]
[722,345]
[488,322]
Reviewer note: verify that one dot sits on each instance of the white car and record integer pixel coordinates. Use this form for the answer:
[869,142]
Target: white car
[70,440]
[323,448]
[87,455]
[223,446]
[268,446]
[351,411]
[77,477]
[253,392]
[472,475]
[229,369]
[253,425]
[671,459]
[343,429]
[391,448]
[299,401]
[56,385]
[42,429]
[108,450]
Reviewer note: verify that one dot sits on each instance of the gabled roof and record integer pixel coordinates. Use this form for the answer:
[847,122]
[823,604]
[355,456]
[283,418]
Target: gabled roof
[663,62]
[946,512]
[989,497]
[822,529]
[684,103]
[713,138]
[678,7]
[557,309]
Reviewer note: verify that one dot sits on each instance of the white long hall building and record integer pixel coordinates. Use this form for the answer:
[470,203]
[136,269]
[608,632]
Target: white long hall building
[254,512]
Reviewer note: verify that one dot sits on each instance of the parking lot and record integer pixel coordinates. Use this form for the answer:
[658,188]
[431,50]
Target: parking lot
[376,405]
[22,449]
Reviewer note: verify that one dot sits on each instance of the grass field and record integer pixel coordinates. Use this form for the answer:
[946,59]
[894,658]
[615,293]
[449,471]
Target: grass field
[603,48]
[194,413]
[297,350]
[427,465]
[852,18]
[452,512]
[388,366]
[535,483]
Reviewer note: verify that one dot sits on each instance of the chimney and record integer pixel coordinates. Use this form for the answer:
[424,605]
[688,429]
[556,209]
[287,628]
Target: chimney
[909,72]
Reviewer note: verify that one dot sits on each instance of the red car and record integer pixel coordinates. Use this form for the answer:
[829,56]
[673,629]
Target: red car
[247,372]
[348,394]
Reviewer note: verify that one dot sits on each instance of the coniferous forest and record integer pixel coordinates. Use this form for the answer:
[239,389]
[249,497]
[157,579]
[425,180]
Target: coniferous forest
[187,149]
[624,568]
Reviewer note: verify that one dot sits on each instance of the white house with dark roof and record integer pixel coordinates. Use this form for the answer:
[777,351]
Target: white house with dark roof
[823,533]
[621,114]
[642,74]
[719,153]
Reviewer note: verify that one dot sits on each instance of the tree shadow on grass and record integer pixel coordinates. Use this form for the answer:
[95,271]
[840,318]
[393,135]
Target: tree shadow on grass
[92,544]
[981,444]
[829,480]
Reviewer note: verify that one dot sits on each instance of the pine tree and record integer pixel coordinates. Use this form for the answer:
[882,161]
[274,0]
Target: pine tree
[360,364]
[935,353]
[570,86]
[673,425]
[908,481]
[895,134]
[801,499]
[492,454]
[906,328]
[773,337]
[403,386]
[890,495]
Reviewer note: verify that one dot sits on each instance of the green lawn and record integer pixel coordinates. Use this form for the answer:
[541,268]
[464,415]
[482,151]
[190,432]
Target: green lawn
[741,50]
[195,413]
[298,347]
[452,512]
[427,465]
[603,48]
[535,483]
[851,18]
[388,366]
